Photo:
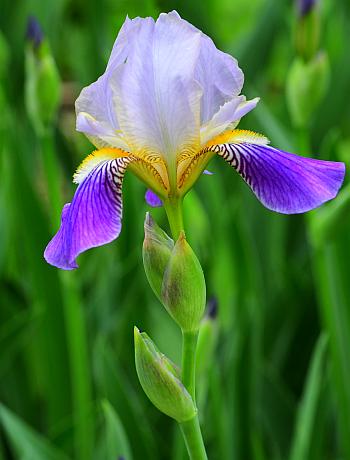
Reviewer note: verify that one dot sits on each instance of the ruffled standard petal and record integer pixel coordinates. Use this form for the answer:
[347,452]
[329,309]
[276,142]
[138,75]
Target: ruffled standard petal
[94,216]
[218,74]
[282,181]
[157,98]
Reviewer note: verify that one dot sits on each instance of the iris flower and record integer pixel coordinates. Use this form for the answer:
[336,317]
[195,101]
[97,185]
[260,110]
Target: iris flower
[168,102]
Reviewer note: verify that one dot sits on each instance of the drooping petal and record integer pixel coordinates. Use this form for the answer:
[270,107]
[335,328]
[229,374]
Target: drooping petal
[157,98]
[282,181]
[94,216]
[152,199]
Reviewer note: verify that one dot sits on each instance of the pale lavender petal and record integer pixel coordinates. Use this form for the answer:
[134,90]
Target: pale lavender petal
[220,77]
[284,182]
[153,199]
[94,216]
[157,98]
[207,172]
[218,74]
[96,100]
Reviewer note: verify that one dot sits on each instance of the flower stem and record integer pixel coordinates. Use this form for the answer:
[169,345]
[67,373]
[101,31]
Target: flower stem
[191,432]
[173,209]
[191,429]
[189,345]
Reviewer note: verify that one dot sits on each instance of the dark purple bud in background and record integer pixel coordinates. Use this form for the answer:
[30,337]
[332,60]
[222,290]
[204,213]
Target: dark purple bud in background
[212,307]
[34,32]
[305,6]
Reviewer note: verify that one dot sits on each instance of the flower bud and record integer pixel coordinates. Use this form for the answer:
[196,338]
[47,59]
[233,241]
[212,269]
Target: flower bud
[307,33]
[305,6]
[207,338]
[160,380]
[34,32]
[306,86]
[183,289]
[157,248]
[42,88]
[328,222]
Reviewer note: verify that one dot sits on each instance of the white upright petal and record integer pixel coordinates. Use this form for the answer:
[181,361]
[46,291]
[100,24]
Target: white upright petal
[155,94]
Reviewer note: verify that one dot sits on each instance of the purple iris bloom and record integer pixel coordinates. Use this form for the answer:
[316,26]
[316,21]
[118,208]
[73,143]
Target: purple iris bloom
[168,102]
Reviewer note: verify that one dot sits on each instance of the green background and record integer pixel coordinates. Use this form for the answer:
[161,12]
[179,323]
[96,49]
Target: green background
[275,383]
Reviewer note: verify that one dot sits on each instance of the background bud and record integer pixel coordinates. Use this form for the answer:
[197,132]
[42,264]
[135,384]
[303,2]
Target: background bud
[183,290]
[207,337]
[160,380]
[205,359]
[157,248]
[307,33]
[306,86]
[42,85]
[305,6]
[34,32]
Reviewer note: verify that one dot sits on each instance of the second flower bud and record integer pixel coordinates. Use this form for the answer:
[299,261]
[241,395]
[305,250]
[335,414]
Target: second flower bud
[175,275]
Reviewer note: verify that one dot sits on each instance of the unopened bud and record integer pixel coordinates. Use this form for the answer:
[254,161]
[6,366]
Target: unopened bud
[42,86]
[207,337]
[183,289]
[160,380]
[328,222]
[307,33]
[306,86]
[34,32]
[157,248]
[305,6]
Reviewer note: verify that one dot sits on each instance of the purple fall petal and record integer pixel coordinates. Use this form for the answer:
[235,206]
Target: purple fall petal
[94,216]
[153,199]
[284,182]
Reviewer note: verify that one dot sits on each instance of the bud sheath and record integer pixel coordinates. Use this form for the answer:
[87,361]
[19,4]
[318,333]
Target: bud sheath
[183,289]
[157,248]
[160,380]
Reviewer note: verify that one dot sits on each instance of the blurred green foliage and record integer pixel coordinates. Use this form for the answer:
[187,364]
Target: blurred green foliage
[278,387]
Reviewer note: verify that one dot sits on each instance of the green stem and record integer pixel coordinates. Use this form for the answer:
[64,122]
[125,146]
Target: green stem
[173,209]
[191,432]
[189,345]
[191,429]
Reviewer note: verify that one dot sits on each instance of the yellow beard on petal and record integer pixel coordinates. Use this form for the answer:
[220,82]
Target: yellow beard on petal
[92,160]
[237,136]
